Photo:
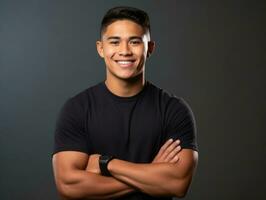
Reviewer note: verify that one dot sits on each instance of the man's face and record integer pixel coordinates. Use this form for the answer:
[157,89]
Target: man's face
[124,47]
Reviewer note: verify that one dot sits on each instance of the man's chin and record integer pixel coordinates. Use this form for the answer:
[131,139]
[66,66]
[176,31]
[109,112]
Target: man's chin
[131,78]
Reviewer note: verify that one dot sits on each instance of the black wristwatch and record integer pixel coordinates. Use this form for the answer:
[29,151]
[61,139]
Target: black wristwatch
[103,162]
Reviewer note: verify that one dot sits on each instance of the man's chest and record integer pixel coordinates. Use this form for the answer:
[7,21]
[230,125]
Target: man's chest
[134,134]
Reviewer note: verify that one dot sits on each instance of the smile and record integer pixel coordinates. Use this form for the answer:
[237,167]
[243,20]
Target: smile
[125,63]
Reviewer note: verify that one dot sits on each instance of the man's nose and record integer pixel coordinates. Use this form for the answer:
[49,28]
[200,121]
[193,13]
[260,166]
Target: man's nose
[124,49]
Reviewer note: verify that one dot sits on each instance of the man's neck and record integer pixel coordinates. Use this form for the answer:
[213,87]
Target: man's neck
[125,88]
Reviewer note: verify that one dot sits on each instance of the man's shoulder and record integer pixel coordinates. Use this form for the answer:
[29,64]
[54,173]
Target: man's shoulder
[83,98]
[169,102]
[164,95]
[86,93]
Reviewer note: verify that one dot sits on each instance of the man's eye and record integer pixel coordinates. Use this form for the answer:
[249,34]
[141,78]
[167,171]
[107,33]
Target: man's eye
[114,42]
[135,42]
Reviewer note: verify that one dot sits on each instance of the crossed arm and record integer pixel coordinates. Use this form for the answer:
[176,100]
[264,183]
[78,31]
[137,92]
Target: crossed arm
[78,176]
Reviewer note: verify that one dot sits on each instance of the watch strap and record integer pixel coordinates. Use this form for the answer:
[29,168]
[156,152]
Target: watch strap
[103,163]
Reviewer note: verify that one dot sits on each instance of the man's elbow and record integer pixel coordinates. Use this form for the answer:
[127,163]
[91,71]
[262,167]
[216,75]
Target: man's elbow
[67,190]
[181,188]
[64,190]
[181,194]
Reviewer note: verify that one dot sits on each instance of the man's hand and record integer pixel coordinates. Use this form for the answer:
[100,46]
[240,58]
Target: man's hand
[168,152]
[169,174]
[93,164]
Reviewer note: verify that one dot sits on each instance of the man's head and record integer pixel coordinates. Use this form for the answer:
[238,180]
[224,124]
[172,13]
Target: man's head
[125,42]
[126,13]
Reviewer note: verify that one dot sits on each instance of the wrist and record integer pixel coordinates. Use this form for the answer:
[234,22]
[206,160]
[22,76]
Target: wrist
[110,165]
[103,164]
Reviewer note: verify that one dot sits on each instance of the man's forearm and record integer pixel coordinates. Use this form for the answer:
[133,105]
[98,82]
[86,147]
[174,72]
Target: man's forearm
[156,179]
[85,185]
[153,179]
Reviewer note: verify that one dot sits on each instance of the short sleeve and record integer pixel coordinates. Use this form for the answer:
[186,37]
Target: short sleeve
[70,134]
[180,123]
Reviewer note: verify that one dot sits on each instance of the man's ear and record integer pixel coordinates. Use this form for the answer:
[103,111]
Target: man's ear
[151,47]
[99,46]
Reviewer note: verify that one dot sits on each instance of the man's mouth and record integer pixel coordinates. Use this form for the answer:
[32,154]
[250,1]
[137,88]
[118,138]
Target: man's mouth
[125,63]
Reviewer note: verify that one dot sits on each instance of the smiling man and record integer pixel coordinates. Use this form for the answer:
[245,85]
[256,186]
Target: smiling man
[124,137]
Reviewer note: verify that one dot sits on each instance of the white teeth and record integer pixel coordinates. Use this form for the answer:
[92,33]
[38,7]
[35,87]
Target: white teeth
[124,62]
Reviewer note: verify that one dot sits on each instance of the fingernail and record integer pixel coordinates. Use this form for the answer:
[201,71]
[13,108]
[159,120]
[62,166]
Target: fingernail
[170,139]
[177,141]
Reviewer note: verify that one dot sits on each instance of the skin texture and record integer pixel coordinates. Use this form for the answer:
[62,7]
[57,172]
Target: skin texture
[125,40]
[77,174]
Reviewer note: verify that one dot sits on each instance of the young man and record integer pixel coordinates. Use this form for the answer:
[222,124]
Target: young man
[124,138]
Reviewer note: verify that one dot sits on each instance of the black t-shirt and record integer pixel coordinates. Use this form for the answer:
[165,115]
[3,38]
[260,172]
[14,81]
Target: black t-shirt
[129,128]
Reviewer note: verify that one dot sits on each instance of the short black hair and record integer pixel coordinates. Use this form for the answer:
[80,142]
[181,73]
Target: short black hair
[129,13]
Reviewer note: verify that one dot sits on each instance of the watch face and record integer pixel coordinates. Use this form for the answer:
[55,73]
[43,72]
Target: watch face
[103,162]
[104,157]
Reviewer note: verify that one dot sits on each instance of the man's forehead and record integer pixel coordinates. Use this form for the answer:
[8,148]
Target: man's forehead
[124,23]
[124,26]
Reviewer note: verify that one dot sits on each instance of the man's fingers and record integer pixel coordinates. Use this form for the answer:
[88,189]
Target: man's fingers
[166,145]
[168,151]
[175,159]
[170,148]
[173,153]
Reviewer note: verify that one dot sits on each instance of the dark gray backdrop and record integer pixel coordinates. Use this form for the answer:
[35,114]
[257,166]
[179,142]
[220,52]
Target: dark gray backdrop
[211,53]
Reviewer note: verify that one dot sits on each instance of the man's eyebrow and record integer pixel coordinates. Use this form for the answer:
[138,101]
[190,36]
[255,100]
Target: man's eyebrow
[135,37]
[113,38]
[118,38]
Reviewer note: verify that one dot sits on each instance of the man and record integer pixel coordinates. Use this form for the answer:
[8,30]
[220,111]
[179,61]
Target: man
[124,138]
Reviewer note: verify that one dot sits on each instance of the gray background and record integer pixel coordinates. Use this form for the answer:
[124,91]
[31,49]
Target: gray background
[211,53]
